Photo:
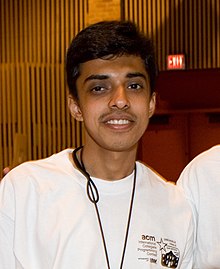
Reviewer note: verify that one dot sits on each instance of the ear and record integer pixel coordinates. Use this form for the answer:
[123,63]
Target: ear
[152,105]
[74,108]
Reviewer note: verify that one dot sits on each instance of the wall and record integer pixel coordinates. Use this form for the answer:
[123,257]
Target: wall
[34,35]
[99,10]
[190,28]
[169,145]
[186,122]
[34,118]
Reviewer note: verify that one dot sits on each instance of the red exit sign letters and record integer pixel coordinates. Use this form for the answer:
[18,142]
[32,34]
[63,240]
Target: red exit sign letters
[176,61]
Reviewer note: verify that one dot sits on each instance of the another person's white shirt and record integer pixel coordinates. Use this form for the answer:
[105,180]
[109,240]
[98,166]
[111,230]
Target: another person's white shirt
[48,222]
[201,182]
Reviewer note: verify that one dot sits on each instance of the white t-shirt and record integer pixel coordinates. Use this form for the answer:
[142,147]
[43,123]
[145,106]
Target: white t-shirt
[201,182]
[48,222]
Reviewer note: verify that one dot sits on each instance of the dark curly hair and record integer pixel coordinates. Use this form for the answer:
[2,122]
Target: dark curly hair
[112,39]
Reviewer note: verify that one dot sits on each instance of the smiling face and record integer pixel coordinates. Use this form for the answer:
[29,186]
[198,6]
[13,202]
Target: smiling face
[114,102]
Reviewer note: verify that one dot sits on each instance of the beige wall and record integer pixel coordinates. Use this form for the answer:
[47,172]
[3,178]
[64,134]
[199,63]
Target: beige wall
[103,10]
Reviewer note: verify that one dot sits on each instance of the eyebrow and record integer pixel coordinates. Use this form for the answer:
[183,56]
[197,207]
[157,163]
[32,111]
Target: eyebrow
[96,77]
[136,74]
[103,77]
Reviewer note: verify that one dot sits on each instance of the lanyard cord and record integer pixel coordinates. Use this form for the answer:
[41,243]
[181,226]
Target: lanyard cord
[93,195]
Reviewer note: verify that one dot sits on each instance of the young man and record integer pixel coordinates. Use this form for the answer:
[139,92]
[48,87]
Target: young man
[201,182]
[96,207]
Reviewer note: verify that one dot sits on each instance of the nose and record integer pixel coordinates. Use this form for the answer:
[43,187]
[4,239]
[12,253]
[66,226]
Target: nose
[119,99]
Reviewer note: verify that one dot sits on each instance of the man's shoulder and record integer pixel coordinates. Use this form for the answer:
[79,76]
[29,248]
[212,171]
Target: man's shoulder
[206,162]
[41,167]
[211,154]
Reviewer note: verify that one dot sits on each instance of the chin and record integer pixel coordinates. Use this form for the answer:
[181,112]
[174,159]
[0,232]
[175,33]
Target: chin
[121,147]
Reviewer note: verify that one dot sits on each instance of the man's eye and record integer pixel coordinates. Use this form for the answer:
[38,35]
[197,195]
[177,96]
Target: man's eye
[97,89]
[135,86]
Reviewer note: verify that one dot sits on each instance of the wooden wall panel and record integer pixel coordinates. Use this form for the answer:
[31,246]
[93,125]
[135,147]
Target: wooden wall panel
[164,146]
[180,26]
[34,118]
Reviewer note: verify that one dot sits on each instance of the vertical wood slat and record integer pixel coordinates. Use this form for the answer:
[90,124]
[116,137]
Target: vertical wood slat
[38,30]
[195,33]
[186,45]
[7,40]
[163,47]
[2,29]
[58,110]
[204,16]
[23,44]
[11,29]
[218,34]
[44,108]
[43,32]
[172,24]
[26,91]
[149,23]
[144,11]
[167,32]
[1,113]
[47,32]
[13,102]
[208,29]
[199,34]
[39,111]
[63,108]
[126,9]
[181,29]
[191,33]
[53,109]
[20,80]
[57,30]
[33,112]
[30,32]
[16,27]
[177,24]
[8,111]
[4,116]
[158,21]
[214,30]
[48,117]
[52,34]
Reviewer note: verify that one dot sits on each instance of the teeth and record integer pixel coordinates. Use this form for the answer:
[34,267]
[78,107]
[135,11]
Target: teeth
[118,122]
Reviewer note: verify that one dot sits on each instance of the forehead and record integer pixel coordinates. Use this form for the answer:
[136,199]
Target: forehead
[117,66]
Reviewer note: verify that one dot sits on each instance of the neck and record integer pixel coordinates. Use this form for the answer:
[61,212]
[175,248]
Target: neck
[108,165]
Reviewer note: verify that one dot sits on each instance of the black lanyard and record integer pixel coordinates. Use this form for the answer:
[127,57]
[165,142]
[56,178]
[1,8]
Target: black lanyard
[93,195]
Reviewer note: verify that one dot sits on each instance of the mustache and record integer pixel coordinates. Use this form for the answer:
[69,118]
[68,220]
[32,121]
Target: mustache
[117,115]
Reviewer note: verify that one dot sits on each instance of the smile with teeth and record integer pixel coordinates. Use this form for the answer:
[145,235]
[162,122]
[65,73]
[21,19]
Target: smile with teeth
[118,122]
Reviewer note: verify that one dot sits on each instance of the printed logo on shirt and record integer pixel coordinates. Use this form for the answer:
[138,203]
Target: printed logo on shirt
[162,251]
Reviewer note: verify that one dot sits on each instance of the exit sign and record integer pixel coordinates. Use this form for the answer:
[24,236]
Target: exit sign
[176,61]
